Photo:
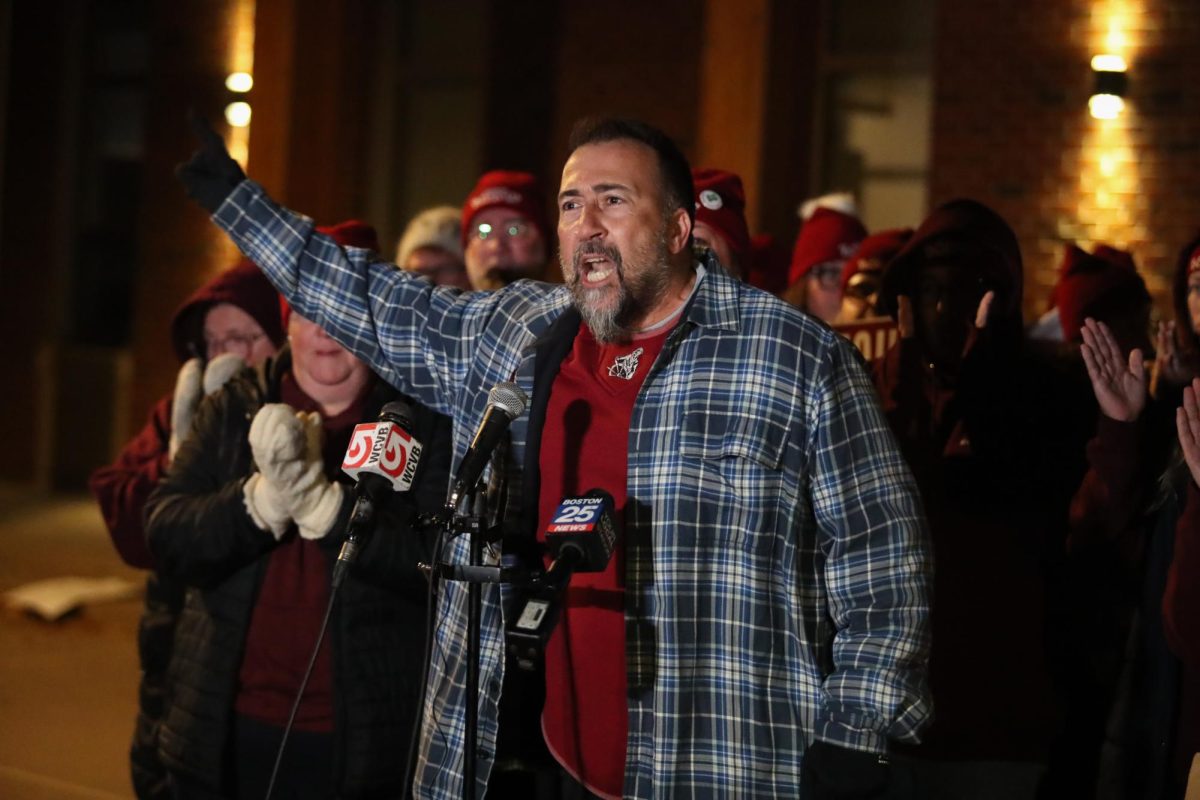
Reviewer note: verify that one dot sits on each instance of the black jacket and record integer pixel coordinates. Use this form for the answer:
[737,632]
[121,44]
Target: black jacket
[200,533]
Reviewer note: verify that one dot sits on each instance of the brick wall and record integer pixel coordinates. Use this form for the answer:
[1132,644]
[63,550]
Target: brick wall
[1011,128]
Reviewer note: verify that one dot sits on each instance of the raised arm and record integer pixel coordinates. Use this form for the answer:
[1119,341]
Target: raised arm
[416,337]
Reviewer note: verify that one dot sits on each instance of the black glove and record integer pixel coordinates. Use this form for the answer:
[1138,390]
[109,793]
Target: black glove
[830,772]
[210,175]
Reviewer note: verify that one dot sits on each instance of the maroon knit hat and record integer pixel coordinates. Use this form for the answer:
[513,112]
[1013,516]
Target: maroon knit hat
[243,285]
[721,205]
[517,191]
[828,235]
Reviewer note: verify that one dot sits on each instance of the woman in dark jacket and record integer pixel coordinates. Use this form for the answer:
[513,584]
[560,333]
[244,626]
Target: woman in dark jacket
[230,321]
[256,553]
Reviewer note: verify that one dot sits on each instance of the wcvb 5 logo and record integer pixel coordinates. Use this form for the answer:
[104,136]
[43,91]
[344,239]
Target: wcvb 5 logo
[379,447]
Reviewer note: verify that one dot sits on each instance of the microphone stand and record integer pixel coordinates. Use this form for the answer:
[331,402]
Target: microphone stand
[474,616]
[471,525]
[475,574]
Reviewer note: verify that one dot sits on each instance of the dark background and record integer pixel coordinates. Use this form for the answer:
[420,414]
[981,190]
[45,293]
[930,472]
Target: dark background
[378,108]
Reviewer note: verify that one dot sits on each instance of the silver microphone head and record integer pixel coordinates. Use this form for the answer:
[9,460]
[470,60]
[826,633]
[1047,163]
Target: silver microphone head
[509,398]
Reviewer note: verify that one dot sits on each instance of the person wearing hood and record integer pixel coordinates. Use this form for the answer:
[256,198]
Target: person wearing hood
[987,431]
[231,321]
[1140,496]
[251,517]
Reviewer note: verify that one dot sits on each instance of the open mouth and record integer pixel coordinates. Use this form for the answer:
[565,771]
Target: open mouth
[596,269]
[595,266]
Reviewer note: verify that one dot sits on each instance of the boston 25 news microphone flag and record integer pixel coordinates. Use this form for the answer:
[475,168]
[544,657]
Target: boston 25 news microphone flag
[382,456]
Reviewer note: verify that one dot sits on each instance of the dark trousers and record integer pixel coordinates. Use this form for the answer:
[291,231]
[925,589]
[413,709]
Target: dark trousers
[306,772]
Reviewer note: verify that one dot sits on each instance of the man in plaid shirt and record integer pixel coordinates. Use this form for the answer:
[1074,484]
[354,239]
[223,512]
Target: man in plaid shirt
[762,630]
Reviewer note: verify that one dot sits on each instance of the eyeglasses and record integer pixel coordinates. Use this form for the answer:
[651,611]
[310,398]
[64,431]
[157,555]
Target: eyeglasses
[512,229]
[241,343]
[829,274]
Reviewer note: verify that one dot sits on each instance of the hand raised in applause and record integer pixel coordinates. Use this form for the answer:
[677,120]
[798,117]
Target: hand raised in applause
[316,500]
[279,443]
[1119,384]
[1170,365]
[1187,421]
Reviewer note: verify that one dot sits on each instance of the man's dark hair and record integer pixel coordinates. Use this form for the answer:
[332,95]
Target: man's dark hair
[676,174]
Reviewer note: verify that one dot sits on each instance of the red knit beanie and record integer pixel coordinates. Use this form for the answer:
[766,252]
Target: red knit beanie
[517,191]
[828,235]
[721,205]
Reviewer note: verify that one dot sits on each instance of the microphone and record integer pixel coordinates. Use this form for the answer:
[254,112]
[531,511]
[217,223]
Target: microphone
[581,537]
[382,457]
[506,402]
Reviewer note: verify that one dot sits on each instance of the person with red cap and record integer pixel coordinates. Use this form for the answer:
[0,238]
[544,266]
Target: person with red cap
[250,517]
[862,274]
[829,233]
[230,321]
[721,218]
[504,230]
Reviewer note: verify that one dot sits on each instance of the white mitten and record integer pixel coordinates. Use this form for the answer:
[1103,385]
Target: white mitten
[317,500]
[183,404]
[220,370]
[265,505]
[278,442]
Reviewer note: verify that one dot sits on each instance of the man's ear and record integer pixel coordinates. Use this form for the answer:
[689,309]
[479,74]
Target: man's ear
[679,231]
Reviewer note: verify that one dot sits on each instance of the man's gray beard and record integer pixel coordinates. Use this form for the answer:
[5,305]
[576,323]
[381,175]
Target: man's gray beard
[611,322]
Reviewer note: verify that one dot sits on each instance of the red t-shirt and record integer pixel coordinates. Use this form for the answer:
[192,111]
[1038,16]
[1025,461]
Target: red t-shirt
[290,607]
[585,446]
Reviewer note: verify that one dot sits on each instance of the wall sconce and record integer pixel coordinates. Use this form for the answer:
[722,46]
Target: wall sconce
[237,113]
[1108,93]
[239,82]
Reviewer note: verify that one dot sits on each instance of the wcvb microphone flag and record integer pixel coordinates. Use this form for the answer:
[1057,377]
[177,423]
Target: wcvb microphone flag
[384,449]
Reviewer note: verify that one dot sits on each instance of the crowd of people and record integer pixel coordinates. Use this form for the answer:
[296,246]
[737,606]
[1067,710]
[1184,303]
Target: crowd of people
[963,568]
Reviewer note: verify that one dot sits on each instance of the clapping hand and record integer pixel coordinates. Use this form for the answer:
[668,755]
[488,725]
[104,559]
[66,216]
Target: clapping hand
[1187,420]
[1169,363]
[1119,385]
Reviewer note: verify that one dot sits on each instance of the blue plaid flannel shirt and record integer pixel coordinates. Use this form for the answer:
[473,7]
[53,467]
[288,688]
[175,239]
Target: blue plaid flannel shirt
[778,564]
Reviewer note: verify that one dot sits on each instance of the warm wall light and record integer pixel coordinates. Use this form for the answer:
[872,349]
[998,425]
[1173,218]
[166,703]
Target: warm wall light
[238,114]
[242,82]
[1105,106]
[1102,63]
[1107,100]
